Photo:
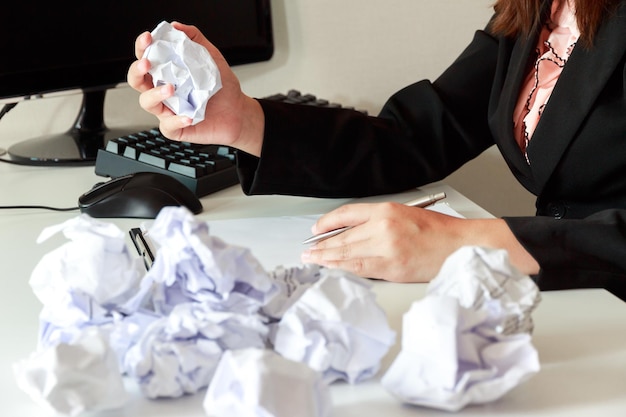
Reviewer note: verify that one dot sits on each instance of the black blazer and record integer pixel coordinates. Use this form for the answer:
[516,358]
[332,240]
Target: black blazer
[427,130]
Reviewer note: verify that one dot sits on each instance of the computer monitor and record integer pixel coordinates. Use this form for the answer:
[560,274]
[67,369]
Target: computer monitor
[86,46]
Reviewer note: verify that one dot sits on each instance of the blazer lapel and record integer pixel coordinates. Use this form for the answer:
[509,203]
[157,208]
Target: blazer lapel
[582,79]
[520,63]
[521,52]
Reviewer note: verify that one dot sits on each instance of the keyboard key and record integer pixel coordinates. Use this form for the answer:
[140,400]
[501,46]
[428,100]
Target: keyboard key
[186,169]
[151,159]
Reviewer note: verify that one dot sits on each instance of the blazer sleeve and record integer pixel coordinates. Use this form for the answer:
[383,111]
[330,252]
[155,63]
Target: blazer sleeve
[577,253]
[423,133]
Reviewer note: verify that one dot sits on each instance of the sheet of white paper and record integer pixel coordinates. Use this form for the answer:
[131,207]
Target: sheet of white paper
[188,66]
[468,341]
[277,241]
[255,383]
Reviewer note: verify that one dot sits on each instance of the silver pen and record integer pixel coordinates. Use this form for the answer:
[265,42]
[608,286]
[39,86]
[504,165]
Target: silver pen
[418,202]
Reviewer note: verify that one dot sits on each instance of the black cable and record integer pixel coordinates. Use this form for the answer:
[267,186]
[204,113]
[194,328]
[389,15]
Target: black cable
[39,207]
[7,108]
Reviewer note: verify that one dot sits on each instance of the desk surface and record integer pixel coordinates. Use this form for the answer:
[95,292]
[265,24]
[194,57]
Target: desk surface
[580,335]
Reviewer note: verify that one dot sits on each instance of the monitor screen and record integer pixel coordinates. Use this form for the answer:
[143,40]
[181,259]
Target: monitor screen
[87,46]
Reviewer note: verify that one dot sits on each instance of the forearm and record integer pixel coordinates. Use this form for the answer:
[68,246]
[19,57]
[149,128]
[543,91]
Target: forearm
[252,127]
[495,233]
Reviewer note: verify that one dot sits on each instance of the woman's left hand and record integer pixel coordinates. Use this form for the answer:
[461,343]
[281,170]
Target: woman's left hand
[395,242]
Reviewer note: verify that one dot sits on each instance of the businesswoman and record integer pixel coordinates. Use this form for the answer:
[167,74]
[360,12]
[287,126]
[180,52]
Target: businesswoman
[545,81]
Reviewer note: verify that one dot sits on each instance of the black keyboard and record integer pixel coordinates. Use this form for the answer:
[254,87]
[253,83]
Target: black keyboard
[204,169]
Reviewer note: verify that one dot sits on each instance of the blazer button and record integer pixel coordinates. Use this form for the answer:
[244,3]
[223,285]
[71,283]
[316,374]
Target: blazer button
[557,210]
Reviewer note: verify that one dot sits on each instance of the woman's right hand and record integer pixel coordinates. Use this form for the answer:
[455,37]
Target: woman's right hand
[231,118]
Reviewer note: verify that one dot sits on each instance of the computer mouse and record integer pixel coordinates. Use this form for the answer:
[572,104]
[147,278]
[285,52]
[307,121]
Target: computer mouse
[138,195]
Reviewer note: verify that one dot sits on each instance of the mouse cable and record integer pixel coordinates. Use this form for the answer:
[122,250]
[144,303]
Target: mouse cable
[39,207]
[5,109]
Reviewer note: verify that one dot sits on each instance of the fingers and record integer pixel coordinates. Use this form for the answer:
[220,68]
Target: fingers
[170,124]
[152,100]
[141,43]
[347,215]
[138,77]
[394,242]
[352,251]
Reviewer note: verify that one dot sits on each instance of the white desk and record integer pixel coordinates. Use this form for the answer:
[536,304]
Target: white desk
[580,335]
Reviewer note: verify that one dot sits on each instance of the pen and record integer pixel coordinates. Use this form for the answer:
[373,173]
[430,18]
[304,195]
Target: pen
[418,202]
[143,246]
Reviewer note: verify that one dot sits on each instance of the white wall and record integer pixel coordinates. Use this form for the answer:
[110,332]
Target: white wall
[354,52]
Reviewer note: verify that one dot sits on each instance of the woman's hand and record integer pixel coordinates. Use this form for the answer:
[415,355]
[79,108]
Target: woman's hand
[231,117]
[395,242]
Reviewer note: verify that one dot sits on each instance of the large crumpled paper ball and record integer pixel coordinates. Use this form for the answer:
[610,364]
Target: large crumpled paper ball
[188,66]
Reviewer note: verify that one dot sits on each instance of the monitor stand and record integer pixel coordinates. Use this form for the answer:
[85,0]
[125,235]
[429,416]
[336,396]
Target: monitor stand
[77,146]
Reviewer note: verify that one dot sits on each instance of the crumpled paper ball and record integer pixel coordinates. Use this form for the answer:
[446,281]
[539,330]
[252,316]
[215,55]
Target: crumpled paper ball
[291,281]
[260,383]
[468,341]
[193,265]
[74,377]
[79,282]
[336,327]
[175,59]
[177,354]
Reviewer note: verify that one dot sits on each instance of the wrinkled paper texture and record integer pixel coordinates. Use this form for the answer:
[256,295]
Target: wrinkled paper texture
[255,383]
[175,59]
[81,375]
[168,329]
[468,341]
[336,328]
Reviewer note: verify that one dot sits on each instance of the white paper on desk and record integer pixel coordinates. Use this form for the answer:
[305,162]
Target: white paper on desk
[337,328]
[468,340]
[277,241]
[74,377]
[188,66]
[261,383]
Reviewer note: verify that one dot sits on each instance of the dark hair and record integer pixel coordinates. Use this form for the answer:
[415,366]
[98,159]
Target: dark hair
[517,17]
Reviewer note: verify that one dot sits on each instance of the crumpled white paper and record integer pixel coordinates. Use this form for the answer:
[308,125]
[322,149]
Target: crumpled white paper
[291,281]
[80,282]
[260,383]
[81,375]
[188,66]
[468,341]
[178,354]
[192,265]
[336,327]
[167,329]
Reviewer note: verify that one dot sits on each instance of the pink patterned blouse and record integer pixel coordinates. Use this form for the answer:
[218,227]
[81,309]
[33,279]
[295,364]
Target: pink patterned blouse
[556,42]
